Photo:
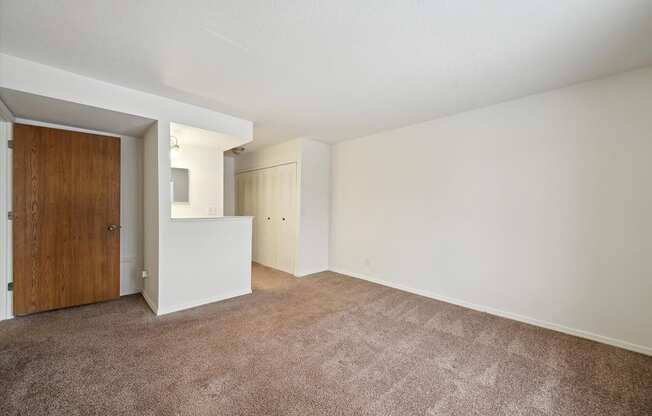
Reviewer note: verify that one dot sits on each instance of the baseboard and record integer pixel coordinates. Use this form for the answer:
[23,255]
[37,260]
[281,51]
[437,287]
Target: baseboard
[302,273]
[149,302]
[204,301]
[509,315]
[131,292]
[309,272]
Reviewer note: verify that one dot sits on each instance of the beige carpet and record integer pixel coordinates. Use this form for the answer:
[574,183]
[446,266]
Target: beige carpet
[326,344]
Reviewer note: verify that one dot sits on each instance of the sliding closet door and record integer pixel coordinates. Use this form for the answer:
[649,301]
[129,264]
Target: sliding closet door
[269,195]
[285,217]
[254,206]
[267,250]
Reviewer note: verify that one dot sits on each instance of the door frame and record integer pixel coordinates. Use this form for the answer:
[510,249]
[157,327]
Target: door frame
[6,132]
[78,257]
[7,121]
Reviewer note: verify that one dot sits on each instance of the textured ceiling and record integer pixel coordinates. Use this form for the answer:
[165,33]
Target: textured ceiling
[333,69]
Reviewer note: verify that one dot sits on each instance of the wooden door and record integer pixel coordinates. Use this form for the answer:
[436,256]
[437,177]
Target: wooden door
[66,204]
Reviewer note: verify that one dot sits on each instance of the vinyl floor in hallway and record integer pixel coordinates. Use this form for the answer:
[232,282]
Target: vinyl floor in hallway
[326,344]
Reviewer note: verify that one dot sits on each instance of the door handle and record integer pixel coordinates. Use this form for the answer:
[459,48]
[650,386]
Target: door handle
[113,227]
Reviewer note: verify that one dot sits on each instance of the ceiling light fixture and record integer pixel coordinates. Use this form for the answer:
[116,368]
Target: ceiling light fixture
[174,148]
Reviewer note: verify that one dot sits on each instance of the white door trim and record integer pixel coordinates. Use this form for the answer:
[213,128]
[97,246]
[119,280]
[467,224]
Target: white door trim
[6,120]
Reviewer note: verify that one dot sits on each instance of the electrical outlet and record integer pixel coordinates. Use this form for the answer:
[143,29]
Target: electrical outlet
[144,274]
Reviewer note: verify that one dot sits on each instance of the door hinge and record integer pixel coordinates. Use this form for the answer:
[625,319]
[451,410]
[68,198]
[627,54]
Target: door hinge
[10,144]
[10,286]
[10,215]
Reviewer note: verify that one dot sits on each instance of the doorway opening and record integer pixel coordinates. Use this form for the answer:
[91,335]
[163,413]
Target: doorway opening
[74,190]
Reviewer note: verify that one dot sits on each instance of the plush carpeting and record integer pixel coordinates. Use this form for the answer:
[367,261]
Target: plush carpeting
[326,344]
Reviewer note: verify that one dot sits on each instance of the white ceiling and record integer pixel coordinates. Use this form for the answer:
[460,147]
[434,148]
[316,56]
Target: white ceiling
[333,69]
[50,110]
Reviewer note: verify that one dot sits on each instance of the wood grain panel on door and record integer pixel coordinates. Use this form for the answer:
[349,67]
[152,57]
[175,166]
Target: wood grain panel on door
[66,194]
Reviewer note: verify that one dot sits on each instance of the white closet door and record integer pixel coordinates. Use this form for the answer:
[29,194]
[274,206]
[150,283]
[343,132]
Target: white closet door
[285,217]
[253,184]
[267,198]
[269,195]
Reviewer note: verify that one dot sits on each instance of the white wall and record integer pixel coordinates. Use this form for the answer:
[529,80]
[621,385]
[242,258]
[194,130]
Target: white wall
[314,204]
[160,234]
[278,154]
[205,166]
[229,185]
[131,206]
[131,215]
[539,209]
[151,217]
[212,260]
